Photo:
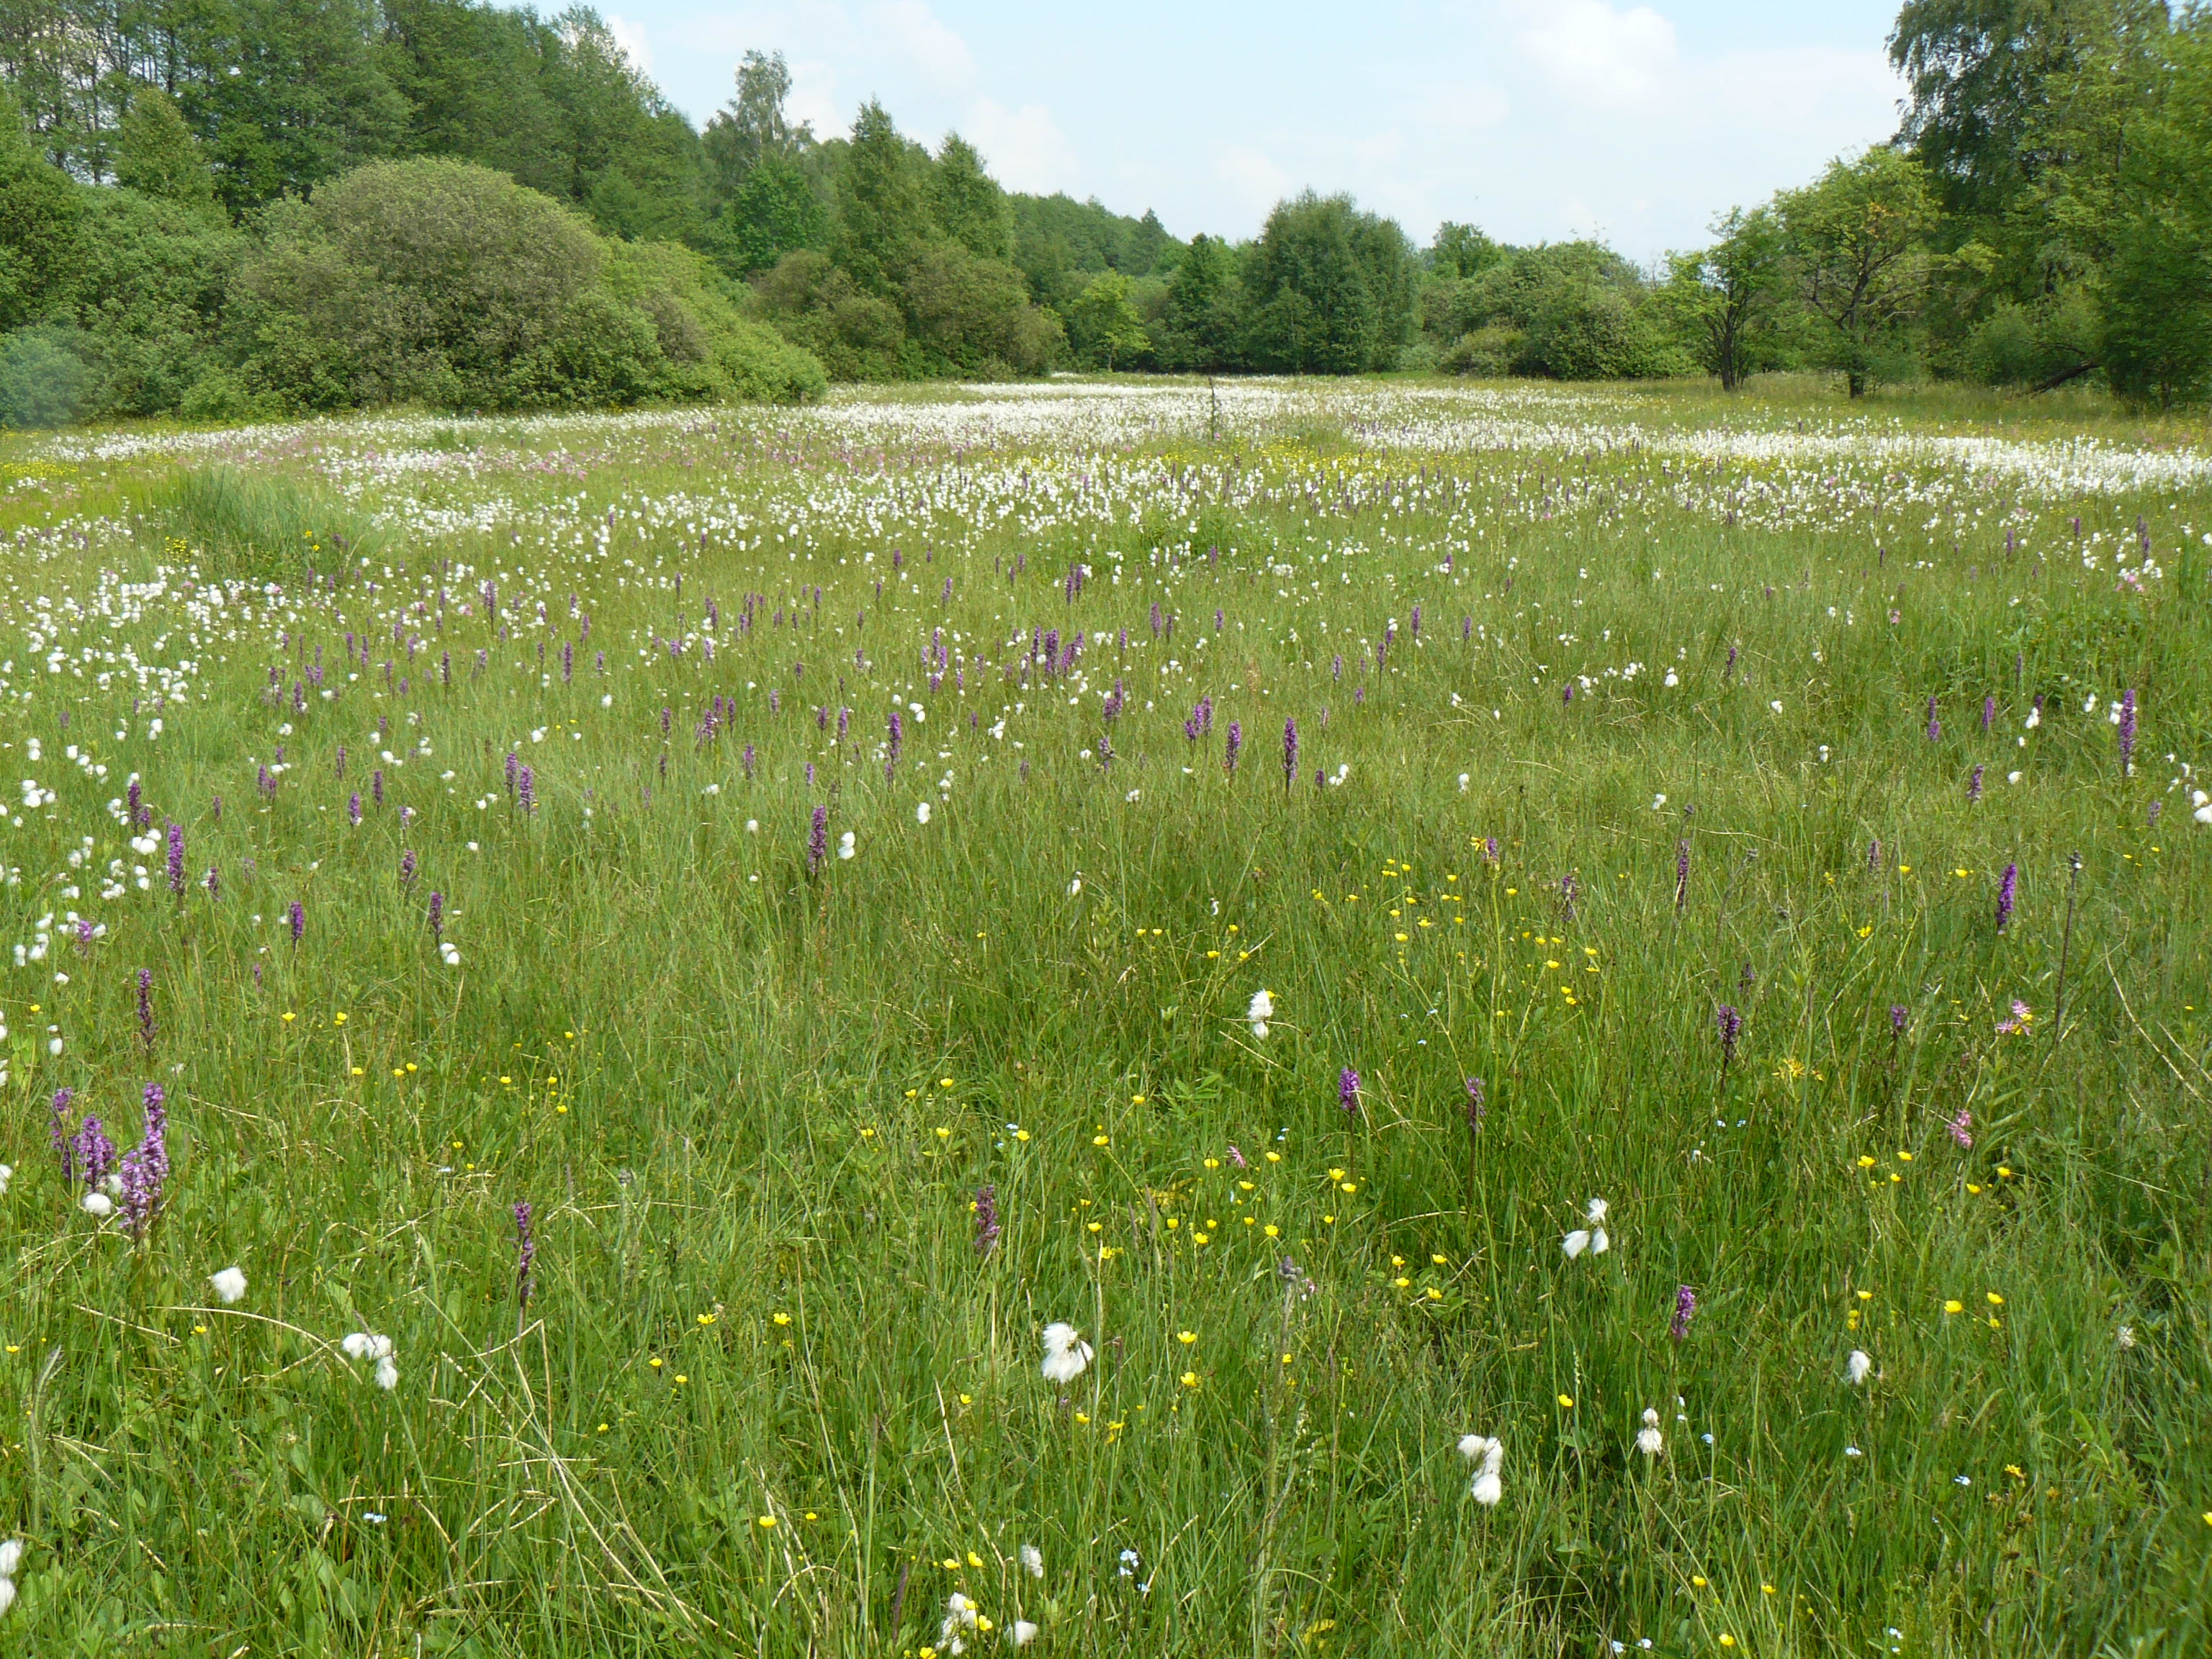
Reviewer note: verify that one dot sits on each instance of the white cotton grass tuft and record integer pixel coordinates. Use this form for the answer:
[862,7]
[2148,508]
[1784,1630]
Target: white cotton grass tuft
[1261,1010]
[368,1344]
[1858,1366]
[1066,1353]
[1648,1440]
[99,1205]
[845,848]
[11,1556]
[230,1284]
[7,1170]
[922,812]
[1032,1561]
[959,1620]
[1592,1236]
[1487,1453]
[1024,1632]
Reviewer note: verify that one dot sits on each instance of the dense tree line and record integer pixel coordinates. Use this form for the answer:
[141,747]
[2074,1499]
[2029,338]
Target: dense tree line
[218,206]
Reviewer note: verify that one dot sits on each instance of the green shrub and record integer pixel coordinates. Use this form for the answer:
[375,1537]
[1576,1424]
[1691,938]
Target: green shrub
[42,382]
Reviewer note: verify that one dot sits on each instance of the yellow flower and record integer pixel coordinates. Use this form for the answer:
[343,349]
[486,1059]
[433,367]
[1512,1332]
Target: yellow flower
[1567,1402]
[1186,1337]
[1189,1379]
[705,1319]
[1696,1581]
[768,1523]
[654,1362]
[1727,1641]
[1995,1301]
[337,1019]
[1955,1306]
[1865,1161]
[288,1016]
[1101,1140]
[974,1559]
[783,1319]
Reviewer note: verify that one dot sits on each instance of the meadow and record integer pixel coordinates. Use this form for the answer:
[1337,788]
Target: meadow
[1592,1003]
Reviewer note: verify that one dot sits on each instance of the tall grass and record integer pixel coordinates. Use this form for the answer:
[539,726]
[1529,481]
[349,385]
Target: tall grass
[768,1396]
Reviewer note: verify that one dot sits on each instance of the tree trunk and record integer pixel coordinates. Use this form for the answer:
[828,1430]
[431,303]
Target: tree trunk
[1854,380]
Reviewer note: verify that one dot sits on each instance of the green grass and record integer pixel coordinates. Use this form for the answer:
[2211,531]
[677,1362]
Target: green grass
[752,1103]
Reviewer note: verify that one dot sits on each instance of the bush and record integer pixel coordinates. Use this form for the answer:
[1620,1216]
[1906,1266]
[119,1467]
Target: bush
[447,284]
[1583,331]
[818,306]
[42,382]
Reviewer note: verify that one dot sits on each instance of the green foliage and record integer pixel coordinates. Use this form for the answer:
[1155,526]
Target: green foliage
[1857,251]
[43,379]
[441,282]
[1574,311]
[971,316]
[1462,250]
[883,202]
[967,203]
[1723,300]
[858,336]
[1330,290]
[150,289]
[40,215]
[157,155]
[775,211]
[1104,326]
[2158,344]
[1200,326]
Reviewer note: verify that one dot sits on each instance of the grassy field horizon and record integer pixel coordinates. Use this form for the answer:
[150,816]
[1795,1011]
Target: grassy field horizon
[1591,1002]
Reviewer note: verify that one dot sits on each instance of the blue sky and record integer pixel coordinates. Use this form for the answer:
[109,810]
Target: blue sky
[1536,120]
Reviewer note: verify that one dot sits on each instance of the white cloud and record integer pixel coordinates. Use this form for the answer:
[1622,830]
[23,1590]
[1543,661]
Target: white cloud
[1024,148]
[630,37]
[924,41]
[1599,56]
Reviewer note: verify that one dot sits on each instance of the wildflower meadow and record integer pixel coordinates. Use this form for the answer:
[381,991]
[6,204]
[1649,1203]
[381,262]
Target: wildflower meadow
[1113,1017]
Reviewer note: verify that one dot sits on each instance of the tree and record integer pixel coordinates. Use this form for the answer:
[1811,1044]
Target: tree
[1462,250]
[40,212]
[967,203]
[157,155]
[1202,322]
[883,212]
[1331,288]
[752,127]
[1855,241]
[2157,341]
[1724,298]
[1104,326]
[775,211]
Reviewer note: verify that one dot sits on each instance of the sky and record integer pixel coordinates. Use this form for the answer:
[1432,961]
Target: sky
[1536,119]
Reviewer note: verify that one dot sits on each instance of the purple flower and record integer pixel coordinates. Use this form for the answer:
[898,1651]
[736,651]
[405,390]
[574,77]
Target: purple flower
[1347,1090]
[1682,873]
[512,765]
[1685,1310]
[58,1129]
[353,809]
[892,744]
[1961,1129]
[2008,890]
[337,766]
[1728,1019]
[1935,725]
[1974,785]
[437,916]
[1490,849]
[1474,1105]
[1236,741]
[96,1152]
[1899,1014]
[145,1167]
[2127,732]
[214,883]
[1289,754]
[138,815]
[1874,853]
[818,840]
[1988,712]
[525,1257]
[406,869]
[146,1008]
[297,916]
[987,1219]
[177,858]
[525,790]
[376,786]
